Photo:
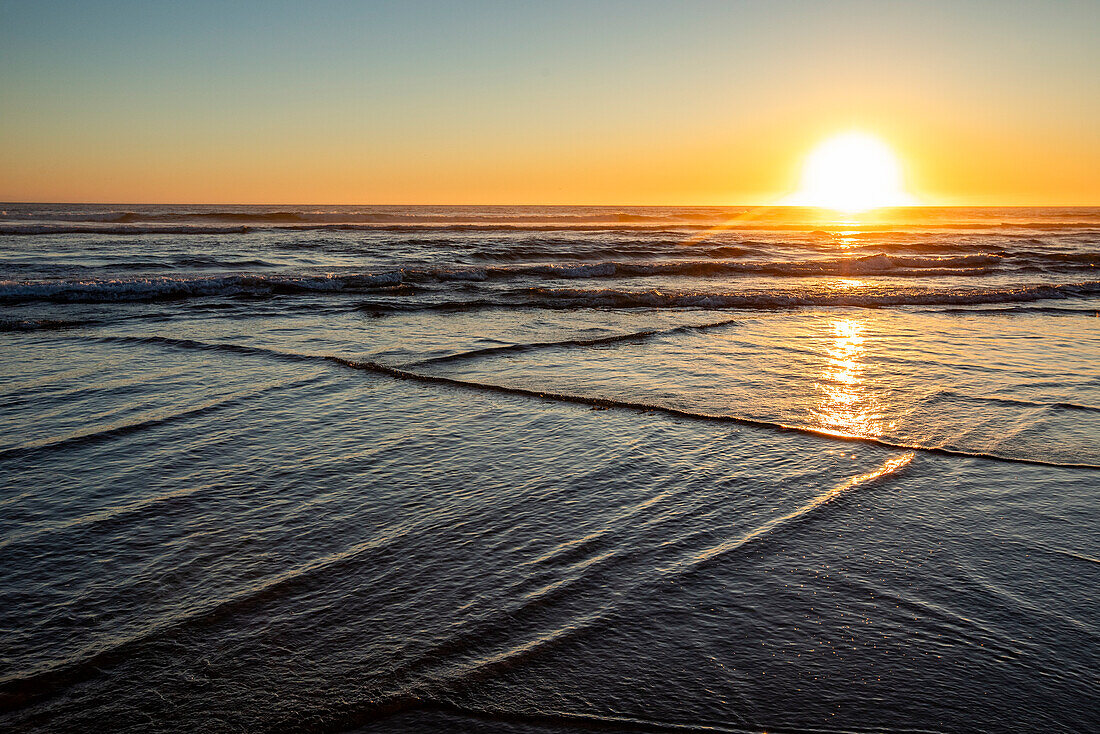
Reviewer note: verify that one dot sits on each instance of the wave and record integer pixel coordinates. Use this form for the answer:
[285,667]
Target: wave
[397,283]
[110,228]
[372,217]
[600,402]
[232,216]
[21,688]
[208,346]
[1034,545]
[1020,402]
[1046,310]
[574,249]
[207,262]
[566,298]
[156,287]
[890,467]
[94,435]
[596,341]
[276,218]
[884,246]
[293,222]
[430,714]
[51,229]
[149,265]
[402,373]
[978,263]
[168,287]
[10,325]
[1089,259]
[127,217]
[837,266]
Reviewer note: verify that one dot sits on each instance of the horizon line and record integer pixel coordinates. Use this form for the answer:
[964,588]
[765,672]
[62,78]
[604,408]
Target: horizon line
[563,206]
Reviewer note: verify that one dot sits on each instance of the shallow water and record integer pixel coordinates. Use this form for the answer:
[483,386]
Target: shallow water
[503,469]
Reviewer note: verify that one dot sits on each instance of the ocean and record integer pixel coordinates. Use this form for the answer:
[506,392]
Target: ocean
[549,469]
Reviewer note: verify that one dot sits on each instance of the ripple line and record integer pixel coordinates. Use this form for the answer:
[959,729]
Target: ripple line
[532,346]
[691,415]
[405,374]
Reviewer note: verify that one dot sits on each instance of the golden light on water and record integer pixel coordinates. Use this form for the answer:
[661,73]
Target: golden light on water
[850,173]
[847,406]
[890,466]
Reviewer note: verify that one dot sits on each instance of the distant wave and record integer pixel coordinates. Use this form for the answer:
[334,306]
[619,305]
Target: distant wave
[618,298]
[1089,259]
[1056,405]
[43,324]
[156,287]
[1045,310]
[168,287]
[350,217]
[838,266]
[53,229]
[574,249]
[121,225]
[113,228]
[413,218]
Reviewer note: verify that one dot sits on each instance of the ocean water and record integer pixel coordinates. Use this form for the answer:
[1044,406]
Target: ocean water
[394,469]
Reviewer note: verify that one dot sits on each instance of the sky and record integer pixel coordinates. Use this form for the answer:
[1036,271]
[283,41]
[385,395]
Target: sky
[408,102]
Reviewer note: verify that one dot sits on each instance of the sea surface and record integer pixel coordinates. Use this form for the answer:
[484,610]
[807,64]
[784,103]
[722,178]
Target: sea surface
[526,469]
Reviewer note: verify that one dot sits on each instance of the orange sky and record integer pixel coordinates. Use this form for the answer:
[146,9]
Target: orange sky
[563,103]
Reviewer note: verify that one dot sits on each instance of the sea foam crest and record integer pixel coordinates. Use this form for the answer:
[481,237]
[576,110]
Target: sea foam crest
[152,288]
[619,298]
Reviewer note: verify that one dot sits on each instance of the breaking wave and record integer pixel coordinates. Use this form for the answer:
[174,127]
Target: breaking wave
[43,324]
[50,229]
[167,287]
[154,287]
[618,298]
[227,223]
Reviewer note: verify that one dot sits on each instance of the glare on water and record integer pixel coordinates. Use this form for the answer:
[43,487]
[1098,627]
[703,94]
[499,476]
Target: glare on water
[847,403]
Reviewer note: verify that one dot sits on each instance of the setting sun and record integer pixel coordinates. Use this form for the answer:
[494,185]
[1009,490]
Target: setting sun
[851,172]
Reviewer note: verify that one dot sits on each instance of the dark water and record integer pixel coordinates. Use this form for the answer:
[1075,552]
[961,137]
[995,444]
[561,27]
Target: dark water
[525,470]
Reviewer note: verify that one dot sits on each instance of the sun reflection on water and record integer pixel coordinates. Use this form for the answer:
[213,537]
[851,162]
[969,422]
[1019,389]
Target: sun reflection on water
[847,240]
[847,407]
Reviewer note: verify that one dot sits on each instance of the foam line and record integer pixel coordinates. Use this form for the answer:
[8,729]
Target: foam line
[405,374]
[531,346]
[679,413]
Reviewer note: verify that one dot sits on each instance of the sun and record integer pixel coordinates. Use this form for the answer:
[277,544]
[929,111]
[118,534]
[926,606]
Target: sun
[851,172]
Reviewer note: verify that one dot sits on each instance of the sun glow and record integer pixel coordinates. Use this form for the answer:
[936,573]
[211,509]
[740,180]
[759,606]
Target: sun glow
[852,172]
